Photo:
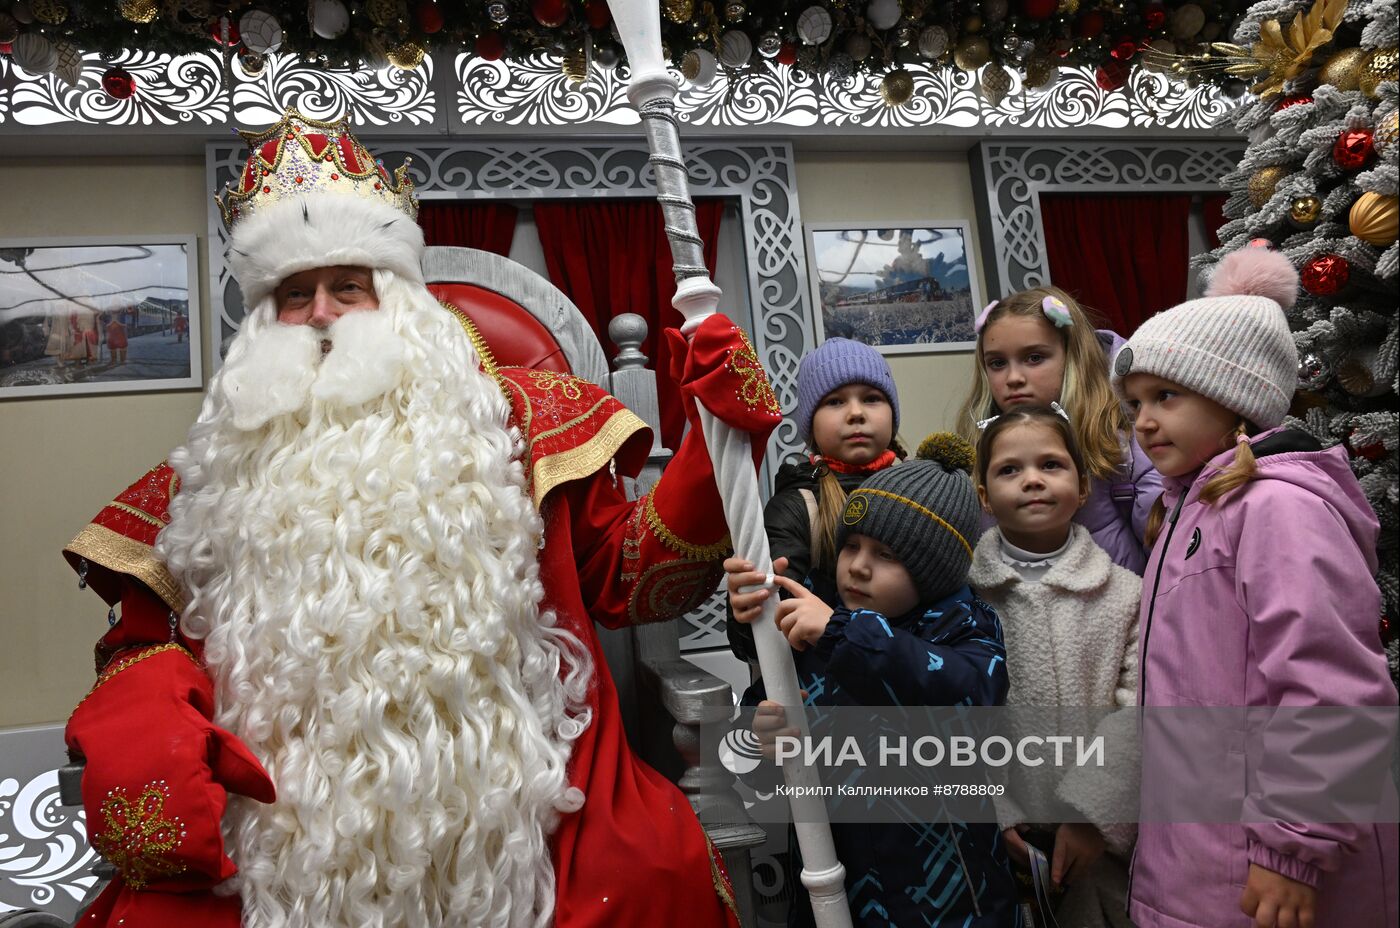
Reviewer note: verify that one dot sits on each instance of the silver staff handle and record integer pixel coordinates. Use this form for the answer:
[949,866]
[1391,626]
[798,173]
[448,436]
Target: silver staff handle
[652,91]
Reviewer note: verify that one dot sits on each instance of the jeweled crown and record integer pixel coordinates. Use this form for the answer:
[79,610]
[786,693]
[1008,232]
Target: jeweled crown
[300,155]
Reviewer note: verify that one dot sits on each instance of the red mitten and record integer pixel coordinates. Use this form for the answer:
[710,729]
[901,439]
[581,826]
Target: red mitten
[159,771]
[720,369]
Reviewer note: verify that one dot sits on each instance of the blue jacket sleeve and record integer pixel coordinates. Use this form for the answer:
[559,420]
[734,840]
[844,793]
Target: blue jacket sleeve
[959,660]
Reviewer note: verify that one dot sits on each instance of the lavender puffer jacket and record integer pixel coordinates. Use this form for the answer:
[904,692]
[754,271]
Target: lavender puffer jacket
[1265,598]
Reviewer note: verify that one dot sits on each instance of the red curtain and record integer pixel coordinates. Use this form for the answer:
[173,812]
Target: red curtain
[483,225]
[1125,256]
[612,257]
[1213,211]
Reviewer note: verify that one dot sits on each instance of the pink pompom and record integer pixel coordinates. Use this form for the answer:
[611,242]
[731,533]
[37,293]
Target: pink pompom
[1256,272]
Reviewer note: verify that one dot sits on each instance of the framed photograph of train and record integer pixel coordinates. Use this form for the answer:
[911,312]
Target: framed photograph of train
[903,288]
[99,315]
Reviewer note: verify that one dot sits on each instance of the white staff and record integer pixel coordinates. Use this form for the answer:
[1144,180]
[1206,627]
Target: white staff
[653,92]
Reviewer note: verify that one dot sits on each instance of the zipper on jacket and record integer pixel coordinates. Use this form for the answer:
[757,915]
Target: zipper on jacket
[1142,664]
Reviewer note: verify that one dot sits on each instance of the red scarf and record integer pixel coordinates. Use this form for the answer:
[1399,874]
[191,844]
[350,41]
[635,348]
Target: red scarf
[841,467]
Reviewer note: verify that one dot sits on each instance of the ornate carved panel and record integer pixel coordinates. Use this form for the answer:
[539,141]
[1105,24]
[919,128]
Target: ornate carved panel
[1012,176]
[45,861]
[469,95]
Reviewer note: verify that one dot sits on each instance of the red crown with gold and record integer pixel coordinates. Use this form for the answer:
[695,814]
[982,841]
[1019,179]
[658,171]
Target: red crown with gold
[298,156]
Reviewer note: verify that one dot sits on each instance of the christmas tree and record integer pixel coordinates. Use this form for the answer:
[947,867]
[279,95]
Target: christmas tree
[1318,181]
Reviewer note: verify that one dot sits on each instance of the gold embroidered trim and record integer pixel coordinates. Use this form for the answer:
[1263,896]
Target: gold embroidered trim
[132,510]
[136,837]
[670,589]
[588,458]
[560,429]
[116,552]
[125,659]
[483,352]
[754,389]
[857,510]
[710,552]
[721,881]
[566,384]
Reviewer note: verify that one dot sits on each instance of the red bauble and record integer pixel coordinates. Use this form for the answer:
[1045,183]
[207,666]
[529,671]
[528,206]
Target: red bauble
[491,46]
[598,14]
[118,82]
[1325,275]
[1371,452]
[1385,629]
[216,31]
[1124,49]
[1039,9]
[1155,16]
[1260,243]
[787,54]
[428,17]
[550,13]
[6,48]
[1089,25]
[1112,75]
[1353,149]
[1286,102]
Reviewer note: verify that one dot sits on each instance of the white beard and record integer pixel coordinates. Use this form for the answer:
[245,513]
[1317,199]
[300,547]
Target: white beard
[360,556]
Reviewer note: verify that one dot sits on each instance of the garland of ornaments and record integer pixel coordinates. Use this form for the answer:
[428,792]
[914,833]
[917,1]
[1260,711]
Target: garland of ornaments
[832,38]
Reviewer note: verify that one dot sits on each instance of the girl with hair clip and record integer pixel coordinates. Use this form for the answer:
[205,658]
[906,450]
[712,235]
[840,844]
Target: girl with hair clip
[1039,347]
[848,412]
[1259,592]
[1069,617]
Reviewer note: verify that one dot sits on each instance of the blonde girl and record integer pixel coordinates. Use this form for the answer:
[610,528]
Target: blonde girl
[1259,592]
[1039,347]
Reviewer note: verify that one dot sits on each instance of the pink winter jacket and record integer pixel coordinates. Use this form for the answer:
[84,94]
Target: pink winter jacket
[1265,598]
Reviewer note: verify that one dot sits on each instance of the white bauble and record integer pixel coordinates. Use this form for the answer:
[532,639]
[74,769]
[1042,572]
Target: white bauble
[883,14]
[735,48]
[699,67]
[34,53]
[814,25]
[261,32]
[329,18]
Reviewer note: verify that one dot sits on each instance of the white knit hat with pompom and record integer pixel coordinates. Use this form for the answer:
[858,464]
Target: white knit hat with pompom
[1232,345]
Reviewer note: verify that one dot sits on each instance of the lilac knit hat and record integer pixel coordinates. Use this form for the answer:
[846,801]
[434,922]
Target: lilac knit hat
[837,362]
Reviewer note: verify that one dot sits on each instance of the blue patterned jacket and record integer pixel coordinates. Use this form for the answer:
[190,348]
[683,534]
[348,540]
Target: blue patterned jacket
[950,874]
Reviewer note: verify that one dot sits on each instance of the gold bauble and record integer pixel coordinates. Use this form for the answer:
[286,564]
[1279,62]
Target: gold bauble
[1305,210]
[1356,378]
[1040,70]
[49,12]
[897,87]
[679,11]
[996,83]
[1069,7]
[406,55]
[138,11]
[1375,219]
[575,66]
[1386,135]
[1382,65]
[1343,70]
[386,12]
[971,52]
[972,23]
[1263,182]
